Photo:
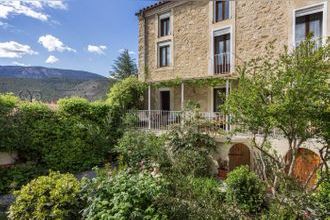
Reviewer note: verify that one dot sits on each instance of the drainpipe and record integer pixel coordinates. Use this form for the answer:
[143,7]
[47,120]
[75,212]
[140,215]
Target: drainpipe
[149,106]
[182,96]
[227,93]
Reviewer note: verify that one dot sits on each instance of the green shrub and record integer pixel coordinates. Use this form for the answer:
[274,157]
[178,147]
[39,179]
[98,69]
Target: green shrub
[245,189]
[194,198]
[7,134]
[48,197]
[278,211]
[126,94]
[36,127]
[322,198]
[12,178]
[124,196]
[78,146]
[190,149]
[141,150]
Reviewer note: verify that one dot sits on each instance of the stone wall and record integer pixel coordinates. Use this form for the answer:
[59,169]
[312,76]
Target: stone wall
[190,42]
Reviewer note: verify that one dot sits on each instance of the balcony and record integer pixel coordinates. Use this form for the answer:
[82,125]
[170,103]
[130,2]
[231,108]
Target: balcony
[163,120]
[222,63]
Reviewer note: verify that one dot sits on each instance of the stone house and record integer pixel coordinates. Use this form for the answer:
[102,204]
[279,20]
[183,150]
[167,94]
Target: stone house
[205,40]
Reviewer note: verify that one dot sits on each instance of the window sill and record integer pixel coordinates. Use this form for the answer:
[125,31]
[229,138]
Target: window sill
[165,38]
[164,68]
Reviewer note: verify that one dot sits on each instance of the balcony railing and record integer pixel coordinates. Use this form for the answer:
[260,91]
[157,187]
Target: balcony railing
[222,63]
[162,120]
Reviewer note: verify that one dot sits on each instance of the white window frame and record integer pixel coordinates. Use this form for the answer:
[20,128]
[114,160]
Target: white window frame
[164,16]
[224,30]
[308,10]
[161,44]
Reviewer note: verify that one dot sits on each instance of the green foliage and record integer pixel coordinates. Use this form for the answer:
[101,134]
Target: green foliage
[126,94]
[7,104]
[190,149]
[48,197]
[195,198]
[124,66]
[75,137]
[322,198]
[12,178]
[289,91]
[212,81]
[141,150]
[278,211]
[245,189]
[124,196]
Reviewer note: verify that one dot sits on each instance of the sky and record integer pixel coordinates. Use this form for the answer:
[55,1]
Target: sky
[70,34]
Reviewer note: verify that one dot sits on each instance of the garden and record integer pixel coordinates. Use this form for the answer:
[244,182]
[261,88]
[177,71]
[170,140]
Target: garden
[143,175]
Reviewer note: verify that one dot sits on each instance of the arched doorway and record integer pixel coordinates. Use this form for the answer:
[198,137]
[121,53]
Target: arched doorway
[239,154]
[306,162]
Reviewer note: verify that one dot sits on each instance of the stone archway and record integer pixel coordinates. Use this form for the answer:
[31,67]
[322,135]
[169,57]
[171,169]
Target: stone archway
[306,162]
[239,154]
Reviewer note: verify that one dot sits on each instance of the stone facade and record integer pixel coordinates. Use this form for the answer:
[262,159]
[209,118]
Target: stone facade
[253,23]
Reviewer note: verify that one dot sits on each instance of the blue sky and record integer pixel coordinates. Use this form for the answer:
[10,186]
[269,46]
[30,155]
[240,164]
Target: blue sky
[72,34]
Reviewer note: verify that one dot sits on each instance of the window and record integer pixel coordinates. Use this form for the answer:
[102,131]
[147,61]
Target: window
[309,22]
[221,53]
[164,55]
[221,10]
[164,25]
[219,97]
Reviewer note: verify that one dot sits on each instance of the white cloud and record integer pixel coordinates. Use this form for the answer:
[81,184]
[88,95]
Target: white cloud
[52,59]
[97,49]
[19,64]
[129,52]
[12,49]
[57,4]
[52,43]
[33,9]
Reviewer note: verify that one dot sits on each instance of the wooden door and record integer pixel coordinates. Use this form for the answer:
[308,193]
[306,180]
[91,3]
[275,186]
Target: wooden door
[239,155]
[165,100]
[306,162]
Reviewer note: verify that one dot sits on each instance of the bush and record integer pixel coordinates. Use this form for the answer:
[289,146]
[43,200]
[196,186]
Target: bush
[322,198]
[141,150]
[190,149]
[7,104]
[245,189]
[12,178]
[126,94]
[124,196]
[79,146]
[194,198]
[36,126]
[55,196]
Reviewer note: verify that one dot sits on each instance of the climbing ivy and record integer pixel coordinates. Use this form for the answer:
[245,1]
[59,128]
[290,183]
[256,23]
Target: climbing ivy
[191,82]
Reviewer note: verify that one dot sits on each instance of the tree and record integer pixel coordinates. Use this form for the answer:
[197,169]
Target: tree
[289,94]
[124,66]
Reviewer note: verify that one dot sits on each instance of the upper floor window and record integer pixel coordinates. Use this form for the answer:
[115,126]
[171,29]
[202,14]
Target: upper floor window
[164,25]
[164,51]
[309,22]
[222,51]
[221,10]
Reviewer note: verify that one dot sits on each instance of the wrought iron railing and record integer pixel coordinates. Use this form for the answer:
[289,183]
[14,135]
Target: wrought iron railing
[222,63]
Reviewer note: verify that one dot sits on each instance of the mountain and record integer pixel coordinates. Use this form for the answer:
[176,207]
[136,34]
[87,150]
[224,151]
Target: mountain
[49,85]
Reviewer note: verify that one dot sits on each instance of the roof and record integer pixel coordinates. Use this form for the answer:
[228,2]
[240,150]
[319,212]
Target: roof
[159,3]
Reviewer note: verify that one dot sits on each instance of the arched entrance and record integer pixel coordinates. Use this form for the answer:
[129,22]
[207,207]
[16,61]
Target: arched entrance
[239,154]
[306,162]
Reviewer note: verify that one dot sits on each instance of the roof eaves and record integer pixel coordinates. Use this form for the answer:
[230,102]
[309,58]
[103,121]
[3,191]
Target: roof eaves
[151,7]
